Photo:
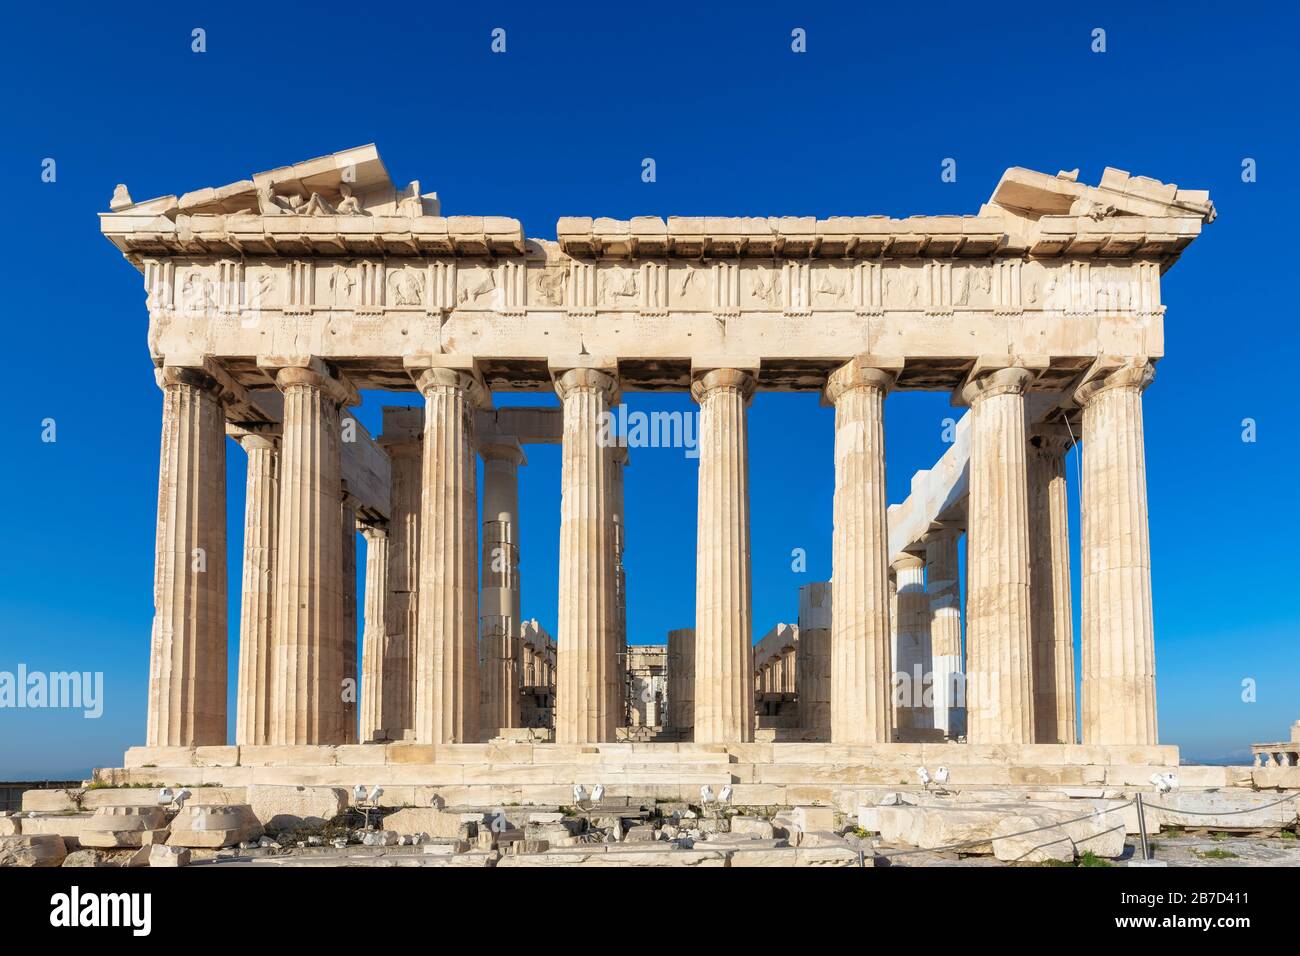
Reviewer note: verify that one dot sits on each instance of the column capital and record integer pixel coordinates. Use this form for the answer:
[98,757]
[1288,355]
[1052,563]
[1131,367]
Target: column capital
[986,382]
[191,376]
[372,530]
[1050,441]
[862,371]
[906,562]
[469,382]
[503,449]
[569,380]
[705,381]
[312,372]
[942,531]
[1136,374]
[254,441]
[448,371]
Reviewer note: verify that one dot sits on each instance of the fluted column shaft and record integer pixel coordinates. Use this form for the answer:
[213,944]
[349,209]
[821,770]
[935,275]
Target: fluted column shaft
[943,587]
[499,597]
[813,671]
[307,653]
[187,654]
[913,660]
[348,614]
[999,676]
[447,658]
[724,652]
[374,637]
[403,605]
[860,619]
[256,617]
[1118,639]
[681,680]
[586,709]
[618,607]
[1049,597]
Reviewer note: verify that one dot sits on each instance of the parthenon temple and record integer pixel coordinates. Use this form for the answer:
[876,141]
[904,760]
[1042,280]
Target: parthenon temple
[275,302]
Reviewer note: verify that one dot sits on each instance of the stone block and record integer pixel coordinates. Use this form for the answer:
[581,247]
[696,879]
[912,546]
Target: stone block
[932,827]
[753,826]
[618,857]
[97,858]
[286,808]
[813,818]
[439,824]
[10,825]
[820,838]
[212,827]
[136,796]
[41,849]
[66,825]
[799,857]
[1287,778]
[114,827]
[1229,809]
[1013,845]
[168,856]
[51,801]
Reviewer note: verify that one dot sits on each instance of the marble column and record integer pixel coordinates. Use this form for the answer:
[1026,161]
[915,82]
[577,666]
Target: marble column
[724,635]
[681,681]
[447,657]
[1049,595]
[307,646]
[256,618]
[999,674]
[943,587]
[374,637]
[1118,637]
[860,627]
[187,648]
[586,710]
[618,460]
[813,670]
[913,660]
[499,620]
[403,439]
[348,614]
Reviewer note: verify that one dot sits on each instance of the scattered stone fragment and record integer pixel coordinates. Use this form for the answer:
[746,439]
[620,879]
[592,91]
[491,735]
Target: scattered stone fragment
[42,849]
[162,855]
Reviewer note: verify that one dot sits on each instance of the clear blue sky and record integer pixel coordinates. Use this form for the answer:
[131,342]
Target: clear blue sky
[738,124]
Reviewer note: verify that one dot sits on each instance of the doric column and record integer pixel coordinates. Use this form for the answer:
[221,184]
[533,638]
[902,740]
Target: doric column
[999,674]
[1049,595]
[860,645]
[586,710]
[681,681]
[1119,694]
[813,671]
[374,638]
[447,659]
[403,439]
[618,460]
[724,653]
[943,587]
[187,654]
[256,618]
[307,650]
[913,664]
[499,621]
[348,612]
